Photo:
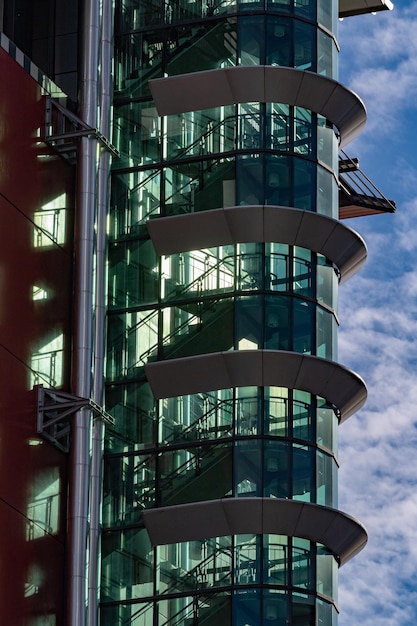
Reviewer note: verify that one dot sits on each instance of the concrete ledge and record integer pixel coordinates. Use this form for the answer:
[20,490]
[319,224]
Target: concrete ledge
[262,368]
[233,85]
[340,533]
[240,224]
[347,8]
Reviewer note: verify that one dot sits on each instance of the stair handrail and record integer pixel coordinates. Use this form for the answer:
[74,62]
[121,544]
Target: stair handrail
[183,289]
[203,418]
[192,463]
[190,576]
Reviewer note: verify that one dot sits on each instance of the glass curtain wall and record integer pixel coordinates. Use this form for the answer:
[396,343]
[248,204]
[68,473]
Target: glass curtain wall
[269,442]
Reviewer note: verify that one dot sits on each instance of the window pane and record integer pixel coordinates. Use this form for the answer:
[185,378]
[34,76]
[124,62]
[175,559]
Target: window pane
[200,132]
[248,468]
[303,473]
[127,565]
[327,148]
[247,560]
[276,411]
[327,428]
[250,134]
[303,326]
[277,469]
[327,573]
[248,411]
[251,41]
[276,566]
[198,187]
[133,274]
[135,198]
[134,408]
[279,134]
[250,266]
[327,193]
[326,334]
[327,283]
[302,415]
[206,46]
[277,323]
[303,564]
[137,134]
[202,416]
[138,58]
[200,473]
[326,55]
[304,46]
[304,185]
[279,41]
[326,480]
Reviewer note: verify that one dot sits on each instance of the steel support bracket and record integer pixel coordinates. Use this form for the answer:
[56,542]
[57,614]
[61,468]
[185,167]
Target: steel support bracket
[54,412]
[63,129]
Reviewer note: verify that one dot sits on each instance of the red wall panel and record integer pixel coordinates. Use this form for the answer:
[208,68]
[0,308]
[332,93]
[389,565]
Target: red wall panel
[36,188]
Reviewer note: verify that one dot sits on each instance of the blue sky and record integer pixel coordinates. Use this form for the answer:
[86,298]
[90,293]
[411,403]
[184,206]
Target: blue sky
[378,338]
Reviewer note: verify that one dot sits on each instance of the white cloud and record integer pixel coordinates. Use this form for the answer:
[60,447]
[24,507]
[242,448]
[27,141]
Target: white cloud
[379,62]
[378,476]
[378,338]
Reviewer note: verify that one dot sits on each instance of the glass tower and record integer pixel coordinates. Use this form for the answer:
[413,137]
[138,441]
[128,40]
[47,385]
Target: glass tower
[225,255]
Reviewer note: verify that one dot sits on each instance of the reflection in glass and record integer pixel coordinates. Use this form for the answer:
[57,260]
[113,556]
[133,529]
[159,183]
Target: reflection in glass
[43,504]
[134,408]
[50,223]
[198,133]
[137,133]
[126,565]
[132,274]
[135,198]
[38,293]
[46,362]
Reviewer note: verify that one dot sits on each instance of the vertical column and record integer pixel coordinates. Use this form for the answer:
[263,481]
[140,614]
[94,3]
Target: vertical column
[80,453]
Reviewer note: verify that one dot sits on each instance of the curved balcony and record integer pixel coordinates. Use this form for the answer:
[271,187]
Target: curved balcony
[339,532]
[234,85]
[318,233]
[222,370]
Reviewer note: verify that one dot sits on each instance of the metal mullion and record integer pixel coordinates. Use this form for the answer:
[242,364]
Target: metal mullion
[313,265]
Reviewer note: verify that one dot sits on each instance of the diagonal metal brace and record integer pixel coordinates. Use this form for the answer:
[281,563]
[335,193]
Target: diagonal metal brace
[54,412]
[63,129]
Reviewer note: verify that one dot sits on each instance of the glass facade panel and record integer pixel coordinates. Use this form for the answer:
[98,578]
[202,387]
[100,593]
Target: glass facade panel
[129,487]
[325,572]
[132,274]
[135,198]
[248,411]
[198,473]
[326,478]
[327,146]
[127,565]
[131,16]
[250,126]
[327,193]
[134,409]
[239,442]
[327,428]
[137,132]
[194,565]
[303,416]
[326,334]
[199,186]
[191,578]
[199,133]
[277,479]
[327,283]
[120,614]
[326,55]
[204,416]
